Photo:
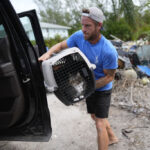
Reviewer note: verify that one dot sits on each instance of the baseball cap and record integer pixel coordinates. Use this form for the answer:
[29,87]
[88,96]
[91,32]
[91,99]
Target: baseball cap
[95,14]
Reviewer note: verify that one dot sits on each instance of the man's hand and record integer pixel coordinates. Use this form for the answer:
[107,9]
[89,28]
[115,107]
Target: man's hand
[55,49]
[45,56]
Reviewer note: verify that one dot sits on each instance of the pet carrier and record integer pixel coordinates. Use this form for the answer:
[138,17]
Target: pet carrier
[69,74]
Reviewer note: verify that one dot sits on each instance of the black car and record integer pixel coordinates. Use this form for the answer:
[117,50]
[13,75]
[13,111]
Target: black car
[24,113]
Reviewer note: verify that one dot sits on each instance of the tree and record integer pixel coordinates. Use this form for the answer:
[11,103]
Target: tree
[129,12]
[62,12]
[122,17]
[53,11]
[119,28]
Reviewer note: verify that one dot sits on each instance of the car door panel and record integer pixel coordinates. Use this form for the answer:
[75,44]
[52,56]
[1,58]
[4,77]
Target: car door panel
[24,113]
[11,107]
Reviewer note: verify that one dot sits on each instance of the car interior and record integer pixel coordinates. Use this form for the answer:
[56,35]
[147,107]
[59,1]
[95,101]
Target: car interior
[11,97]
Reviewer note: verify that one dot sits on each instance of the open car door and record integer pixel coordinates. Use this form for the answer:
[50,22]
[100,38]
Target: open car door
[24,113]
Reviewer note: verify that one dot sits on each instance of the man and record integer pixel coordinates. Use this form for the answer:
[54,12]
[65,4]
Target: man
[100,52]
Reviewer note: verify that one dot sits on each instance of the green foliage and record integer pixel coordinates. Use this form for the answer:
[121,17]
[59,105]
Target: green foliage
[143,24]
[52,11]
[125,20]
[119,28]
[60,12]
[146,17]
[52,41]
[74,28]
[129,12]
[143,32]
[148,35]
[33,42]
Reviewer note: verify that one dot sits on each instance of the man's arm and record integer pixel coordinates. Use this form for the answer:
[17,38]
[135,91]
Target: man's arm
[109,76]
[54,49]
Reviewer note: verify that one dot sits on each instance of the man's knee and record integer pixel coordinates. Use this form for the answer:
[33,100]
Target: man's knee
[100,124]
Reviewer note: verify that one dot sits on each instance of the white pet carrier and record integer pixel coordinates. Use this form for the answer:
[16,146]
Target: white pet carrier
[69,74]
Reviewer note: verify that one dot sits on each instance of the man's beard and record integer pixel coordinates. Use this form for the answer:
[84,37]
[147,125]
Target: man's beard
[92,37]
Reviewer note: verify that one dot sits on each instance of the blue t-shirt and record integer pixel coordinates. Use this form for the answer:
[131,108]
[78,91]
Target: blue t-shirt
[102,54]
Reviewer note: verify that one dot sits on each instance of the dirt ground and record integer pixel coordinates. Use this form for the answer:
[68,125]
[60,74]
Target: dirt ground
[73,129]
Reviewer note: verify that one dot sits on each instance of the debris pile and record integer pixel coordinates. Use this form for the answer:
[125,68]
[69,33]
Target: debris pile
[132,93]
[133,54]
[132,84]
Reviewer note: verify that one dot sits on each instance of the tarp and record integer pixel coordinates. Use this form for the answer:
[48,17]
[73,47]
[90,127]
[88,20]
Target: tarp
[144,69]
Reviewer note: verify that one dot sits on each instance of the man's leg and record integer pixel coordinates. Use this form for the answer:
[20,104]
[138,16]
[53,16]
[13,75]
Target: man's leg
[102,136]
[98,106]
[112,138]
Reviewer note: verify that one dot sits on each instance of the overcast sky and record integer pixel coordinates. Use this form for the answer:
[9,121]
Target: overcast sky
[23,5]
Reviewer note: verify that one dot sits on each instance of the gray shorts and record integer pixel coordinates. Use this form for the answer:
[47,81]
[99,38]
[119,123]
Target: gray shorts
[98,103]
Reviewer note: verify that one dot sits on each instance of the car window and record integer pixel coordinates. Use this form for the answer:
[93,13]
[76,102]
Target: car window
[2,31]
[4,44]
[28,29]
[32,28]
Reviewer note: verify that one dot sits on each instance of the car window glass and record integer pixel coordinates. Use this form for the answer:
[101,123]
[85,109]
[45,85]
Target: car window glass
[2,31]
[4,52]
[28,29]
